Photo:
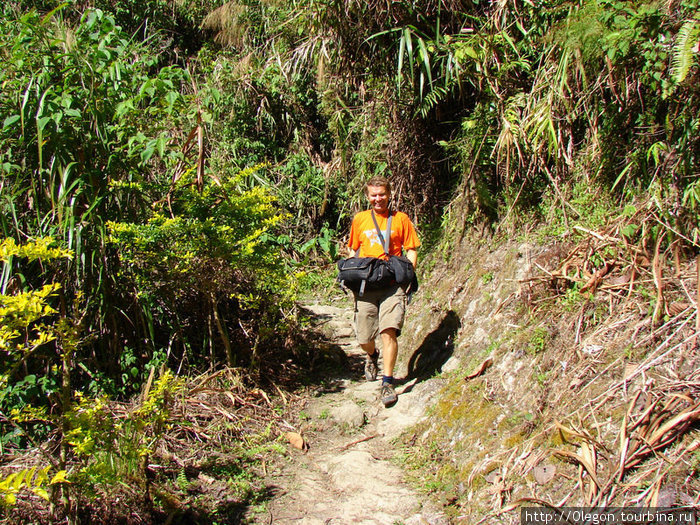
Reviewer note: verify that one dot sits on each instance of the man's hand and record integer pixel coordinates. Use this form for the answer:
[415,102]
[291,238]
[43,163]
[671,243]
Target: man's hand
[412,255]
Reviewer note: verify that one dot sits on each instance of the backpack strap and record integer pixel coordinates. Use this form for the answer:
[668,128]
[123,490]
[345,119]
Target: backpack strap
[385,242]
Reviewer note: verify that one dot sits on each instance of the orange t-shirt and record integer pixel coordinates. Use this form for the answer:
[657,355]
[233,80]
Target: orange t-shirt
[364,235]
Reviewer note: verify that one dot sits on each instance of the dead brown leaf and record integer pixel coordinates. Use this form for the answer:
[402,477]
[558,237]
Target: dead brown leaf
[544,473]
[677,308]
[296,440]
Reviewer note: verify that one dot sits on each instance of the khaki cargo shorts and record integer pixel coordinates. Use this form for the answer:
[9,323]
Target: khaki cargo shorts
[378,310]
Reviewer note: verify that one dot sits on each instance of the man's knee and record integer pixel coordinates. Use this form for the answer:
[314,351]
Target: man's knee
[390,333]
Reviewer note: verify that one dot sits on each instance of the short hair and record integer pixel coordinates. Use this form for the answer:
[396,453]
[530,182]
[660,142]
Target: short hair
[378,181]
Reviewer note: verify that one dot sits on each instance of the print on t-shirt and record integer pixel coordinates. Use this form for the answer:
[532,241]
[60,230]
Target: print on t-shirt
[373,237]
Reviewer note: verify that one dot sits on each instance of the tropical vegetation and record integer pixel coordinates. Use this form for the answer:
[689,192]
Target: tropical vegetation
[170,170]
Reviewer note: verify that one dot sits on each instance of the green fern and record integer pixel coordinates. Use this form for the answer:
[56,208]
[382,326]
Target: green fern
[432,99]
[182,481]
[683,50]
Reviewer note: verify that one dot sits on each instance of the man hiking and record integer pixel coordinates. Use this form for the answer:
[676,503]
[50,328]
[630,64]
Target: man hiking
[382,310]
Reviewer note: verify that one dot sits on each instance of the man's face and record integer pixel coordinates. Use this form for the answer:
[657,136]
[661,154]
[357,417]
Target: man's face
[378,197]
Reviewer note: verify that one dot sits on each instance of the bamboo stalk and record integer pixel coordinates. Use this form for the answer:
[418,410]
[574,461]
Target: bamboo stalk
[230,358]
[658,279]
[697,303]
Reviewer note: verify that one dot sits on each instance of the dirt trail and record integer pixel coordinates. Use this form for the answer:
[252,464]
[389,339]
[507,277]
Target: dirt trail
[346,475]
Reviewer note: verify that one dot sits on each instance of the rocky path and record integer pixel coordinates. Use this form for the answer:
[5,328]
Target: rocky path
[346,474]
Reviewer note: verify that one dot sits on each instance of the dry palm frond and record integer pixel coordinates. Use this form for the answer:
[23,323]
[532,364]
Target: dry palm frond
[658,426]
[511,135]
[650,426]
[315,50]
[584,458]
[580,434]
[228,23]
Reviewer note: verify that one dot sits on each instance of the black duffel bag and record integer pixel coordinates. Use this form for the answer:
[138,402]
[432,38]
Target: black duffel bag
[404,272]
[364,273]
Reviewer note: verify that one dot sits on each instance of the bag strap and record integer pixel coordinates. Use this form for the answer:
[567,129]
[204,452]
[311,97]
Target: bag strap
[385,243]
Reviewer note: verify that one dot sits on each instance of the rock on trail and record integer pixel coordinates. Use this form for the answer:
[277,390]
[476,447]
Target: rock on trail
[346,475]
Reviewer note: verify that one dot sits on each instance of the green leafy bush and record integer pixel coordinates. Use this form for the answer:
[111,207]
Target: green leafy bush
[203,255]
[28,328]
[113,449]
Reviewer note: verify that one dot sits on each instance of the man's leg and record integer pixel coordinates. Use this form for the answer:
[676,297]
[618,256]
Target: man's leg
[368,347]
[390,347]
[366,326]
[391,317]
[371,360]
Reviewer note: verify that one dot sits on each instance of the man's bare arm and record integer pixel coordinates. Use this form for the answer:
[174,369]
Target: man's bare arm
[412,255]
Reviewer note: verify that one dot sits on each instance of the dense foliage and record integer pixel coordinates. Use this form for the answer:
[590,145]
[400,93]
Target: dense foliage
[184,158]
[520,105]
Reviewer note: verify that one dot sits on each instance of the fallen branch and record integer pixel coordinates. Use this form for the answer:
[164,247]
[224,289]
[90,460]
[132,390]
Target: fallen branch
[357,441]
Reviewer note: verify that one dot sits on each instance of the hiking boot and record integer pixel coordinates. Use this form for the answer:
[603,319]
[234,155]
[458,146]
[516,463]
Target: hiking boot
[388,395]
[371,367]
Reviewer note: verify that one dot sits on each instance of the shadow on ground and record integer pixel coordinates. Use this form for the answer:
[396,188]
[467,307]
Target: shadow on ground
[327,364]
[330,365]
[435,350]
